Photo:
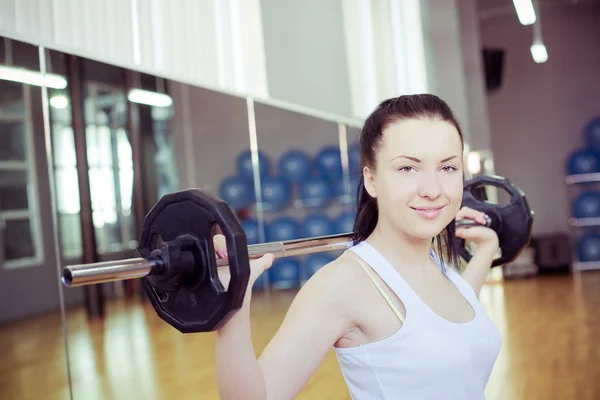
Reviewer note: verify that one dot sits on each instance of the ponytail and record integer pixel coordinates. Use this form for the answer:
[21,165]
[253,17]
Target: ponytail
[366,213]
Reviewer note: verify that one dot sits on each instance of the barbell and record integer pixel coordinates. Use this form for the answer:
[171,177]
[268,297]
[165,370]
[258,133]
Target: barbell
[178,266]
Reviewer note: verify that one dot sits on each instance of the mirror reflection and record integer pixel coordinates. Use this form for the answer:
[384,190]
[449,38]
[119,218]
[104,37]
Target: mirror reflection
[144,146]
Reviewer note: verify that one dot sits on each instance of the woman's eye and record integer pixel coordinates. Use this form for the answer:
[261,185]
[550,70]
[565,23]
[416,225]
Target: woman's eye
[406,169]
[449,168]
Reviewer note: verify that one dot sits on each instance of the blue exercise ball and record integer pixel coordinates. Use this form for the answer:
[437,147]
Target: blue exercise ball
[316,225]
[587,205]
[259,284]
[294,166]
[588,248]
[354,160]
[591,133]
[250,227]
[244,164]
[583,161]
[281,229]
[237,192]
[315,192]
[285,273]
[329,162]
[315,262]
[276,193]
[341,188]
[345,222]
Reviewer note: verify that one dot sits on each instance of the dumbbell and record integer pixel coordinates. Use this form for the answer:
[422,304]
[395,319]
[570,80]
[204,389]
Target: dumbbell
[178,267]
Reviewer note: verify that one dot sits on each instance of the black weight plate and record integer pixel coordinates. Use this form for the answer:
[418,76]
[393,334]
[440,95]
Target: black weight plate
[512,221]
[204,306]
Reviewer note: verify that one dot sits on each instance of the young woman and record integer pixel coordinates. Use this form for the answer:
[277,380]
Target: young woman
[404,323]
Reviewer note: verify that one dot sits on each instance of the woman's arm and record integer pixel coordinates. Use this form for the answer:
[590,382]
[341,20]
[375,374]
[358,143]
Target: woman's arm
[486,241]
[477,269]
[312,325]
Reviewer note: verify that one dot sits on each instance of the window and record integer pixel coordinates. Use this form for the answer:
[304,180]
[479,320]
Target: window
[110,166]
[19,215]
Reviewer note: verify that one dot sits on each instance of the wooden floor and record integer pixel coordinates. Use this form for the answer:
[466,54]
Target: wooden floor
[550,328]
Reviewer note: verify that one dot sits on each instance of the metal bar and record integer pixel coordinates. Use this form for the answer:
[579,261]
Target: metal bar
[94,296]
[301,246]
[136,140]
[54,214]
[109,271]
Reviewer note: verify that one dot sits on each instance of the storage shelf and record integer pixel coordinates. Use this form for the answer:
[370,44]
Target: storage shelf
[582,178]
[584,222]
[586,266]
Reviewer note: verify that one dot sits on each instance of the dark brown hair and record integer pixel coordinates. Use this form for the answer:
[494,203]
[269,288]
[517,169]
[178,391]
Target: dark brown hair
[420,106]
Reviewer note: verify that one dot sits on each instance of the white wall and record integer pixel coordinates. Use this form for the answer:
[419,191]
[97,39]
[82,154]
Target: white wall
[305,54]
[443,52]
[470,36]
[214,43]
[454,66]
[537,116]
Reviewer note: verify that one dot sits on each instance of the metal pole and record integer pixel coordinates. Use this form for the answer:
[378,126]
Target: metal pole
[94,296]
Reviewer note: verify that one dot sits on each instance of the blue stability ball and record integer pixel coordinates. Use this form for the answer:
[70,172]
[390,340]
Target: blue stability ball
[315,262]
[587,205]
[276,193]
[329,163]
[583,161]
[285,273]
[294,166]
[316,225]
[354,160]
[259,284]
[588,248]
[591,133]
[237,192]
[315,192]
[341,188]
[250,227]
[281,229]
[345,222]
[244,164]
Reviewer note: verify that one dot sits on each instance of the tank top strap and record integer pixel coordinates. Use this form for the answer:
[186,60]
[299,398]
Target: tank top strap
[387,273]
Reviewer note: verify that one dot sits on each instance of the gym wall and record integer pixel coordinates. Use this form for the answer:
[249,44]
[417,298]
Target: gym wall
[538,114]
[305,57]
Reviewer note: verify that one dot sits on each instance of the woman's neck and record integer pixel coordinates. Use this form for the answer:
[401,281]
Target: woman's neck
[403,252]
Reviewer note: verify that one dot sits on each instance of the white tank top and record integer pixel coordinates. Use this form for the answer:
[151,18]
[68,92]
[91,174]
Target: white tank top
[429,357]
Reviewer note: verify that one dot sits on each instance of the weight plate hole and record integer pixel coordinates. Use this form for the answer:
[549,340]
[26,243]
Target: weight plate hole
[156,241]
[224,273]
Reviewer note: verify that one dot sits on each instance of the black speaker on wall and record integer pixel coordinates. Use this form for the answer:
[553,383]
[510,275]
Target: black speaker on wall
[493,66]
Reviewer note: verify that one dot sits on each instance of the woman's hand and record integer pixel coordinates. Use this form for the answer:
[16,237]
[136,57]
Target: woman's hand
[482,236]
[257,267]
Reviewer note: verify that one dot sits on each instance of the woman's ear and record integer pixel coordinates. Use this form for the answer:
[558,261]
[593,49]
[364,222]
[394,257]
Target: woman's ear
[369,179]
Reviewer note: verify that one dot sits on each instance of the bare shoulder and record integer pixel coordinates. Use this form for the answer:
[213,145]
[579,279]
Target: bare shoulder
[338,281]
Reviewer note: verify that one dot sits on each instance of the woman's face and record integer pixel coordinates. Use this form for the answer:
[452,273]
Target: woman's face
[418,180]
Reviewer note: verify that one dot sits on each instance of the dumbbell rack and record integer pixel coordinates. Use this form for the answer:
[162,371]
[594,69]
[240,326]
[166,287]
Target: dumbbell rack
[581,223]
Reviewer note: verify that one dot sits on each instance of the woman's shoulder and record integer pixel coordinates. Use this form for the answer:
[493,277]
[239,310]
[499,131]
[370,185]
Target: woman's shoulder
[340,279]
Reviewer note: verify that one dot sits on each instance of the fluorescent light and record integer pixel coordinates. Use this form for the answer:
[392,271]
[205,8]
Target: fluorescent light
[149,98]
[30,77]
[539,53]
[525,11]
[59,101]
